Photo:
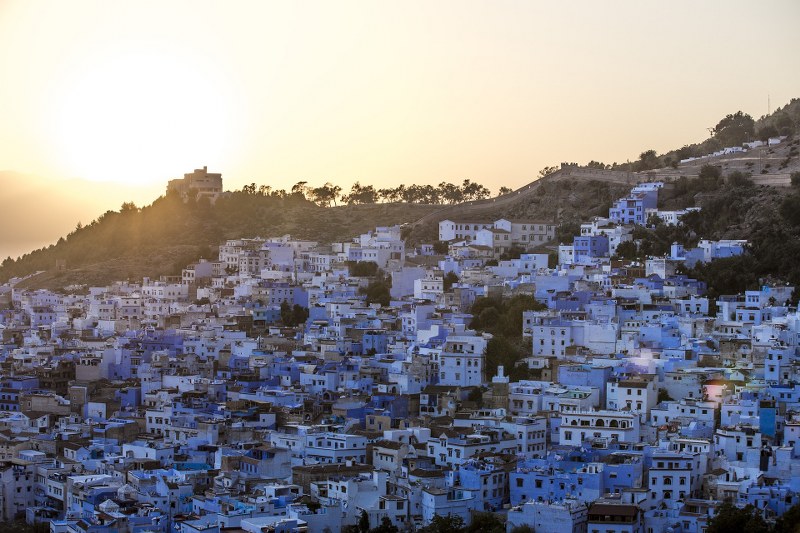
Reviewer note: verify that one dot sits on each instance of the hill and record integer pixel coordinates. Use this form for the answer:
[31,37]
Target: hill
[737,192]
[168,234]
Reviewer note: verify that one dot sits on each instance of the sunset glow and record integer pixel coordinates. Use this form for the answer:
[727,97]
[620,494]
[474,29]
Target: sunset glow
[130,112]
[136,93]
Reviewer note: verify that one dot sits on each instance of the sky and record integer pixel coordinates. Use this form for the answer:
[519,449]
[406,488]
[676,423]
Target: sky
[130,94]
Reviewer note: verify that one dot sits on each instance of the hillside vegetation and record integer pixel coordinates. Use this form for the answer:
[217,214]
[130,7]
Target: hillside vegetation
[168,234]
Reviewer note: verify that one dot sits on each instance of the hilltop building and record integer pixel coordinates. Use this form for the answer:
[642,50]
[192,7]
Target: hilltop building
[196,185]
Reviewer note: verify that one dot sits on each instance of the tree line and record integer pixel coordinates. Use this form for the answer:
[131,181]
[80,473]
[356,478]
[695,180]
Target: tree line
[330,194]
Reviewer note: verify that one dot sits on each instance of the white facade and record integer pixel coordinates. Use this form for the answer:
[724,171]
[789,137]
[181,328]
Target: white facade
[609,426]
[461,361]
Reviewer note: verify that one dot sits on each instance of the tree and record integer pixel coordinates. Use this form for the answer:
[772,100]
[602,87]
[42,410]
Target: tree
[363,522]
[363,269]
[648,160]
[709,177]
[476,396]
[485,523]
[473,191]
[788,522]
[440,247]
[546,171]
[739,179]
[325,194]
[729,275]
[766,132]
[685,152]
[386,526]
[361,194]
[377,292]
[735,129]
[795,179]
[292,316]
[286,313]
[790,209]
[20,526]
[450,193]
[732,519]
[128,207]
[299,314]
[444,524]
[627,250]
[505,190]
[663,396]
[567,230]
[596,165]
[449,279]
[522,529]
[299,189]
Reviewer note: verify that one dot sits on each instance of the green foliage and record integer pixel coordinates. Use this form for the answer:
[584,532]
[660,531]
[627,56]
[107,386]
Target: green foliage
[440,247]
[731,275]
[648,160]
[485,523]
[325,194]
[361,194]
[377,292]
[522,529]
[292,316]
[502,317]
[513,253]
[739,179]
[476,396]
[363,269]
[788,522]
[506,352]
[444,524]
[449,279]
[567,230]
[795,179]
[20,526]
[385,527]
[709,172]
[363,522]
[546,171]
[735,129]
[732,519]
[790,209]
[627,250]
[597,165]
[764,133]
[663,396]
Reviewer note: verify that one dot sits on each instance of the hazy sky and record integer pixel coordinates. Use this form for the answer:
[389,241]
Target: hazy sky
[382,92]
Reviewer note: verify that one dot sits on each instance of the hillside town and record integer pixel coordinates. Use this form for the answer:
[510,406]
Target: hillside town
[288,385]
